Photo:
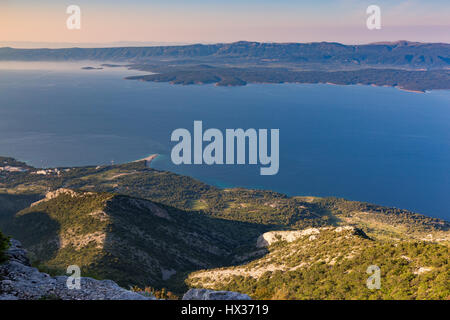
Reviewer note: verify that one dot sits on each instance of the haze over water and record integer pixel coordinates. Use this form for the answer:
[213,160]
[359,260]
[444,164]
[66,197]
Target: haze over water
[379,145]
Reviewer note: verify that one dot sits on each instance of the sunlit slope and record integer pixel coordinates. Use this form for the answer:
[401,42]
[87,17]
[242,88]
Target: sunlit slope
[332,263]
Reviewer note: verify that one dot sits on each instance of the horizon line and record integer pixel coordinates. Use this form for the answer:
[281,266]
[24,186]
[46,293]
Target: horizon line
[99,45]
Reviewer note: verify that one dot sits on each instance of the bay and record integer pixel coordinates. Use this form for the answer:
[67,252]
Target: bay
[374,144]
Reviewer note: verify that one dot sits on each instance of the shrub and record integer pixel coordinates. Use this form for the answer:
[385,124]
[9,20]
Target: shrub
[4,244]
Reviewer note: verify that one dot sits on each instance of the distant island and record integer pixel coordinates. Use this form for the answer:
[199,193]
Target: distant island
[91,68]
[416,81]
[330,55]
[411,66]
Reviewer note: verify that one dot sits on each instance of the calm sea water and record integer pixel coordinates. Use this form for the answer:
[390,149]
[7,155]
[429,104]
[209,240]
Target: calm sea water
[380,145]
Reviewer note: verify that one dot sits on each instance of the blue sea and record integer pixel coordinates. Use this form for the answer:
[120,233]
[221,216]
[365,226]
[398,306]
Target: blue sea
[374,144]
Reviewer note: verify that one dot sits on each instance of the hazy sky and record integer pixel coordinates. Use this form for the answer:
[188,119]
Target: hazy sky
[223,21]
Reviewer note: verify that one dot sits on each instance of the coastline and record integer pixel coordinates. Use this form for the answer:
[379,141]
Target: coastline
[230,186]
[217,84]
[148,160]
[410,90]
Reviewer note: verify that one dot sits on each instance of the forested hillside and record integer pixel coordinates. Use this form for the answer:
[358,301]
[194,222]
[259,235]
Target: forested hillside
[148,228]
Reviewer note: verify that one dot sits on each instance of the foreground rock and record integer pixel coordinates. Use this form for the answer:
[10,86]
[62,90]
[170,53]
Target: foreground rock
[205,294]
[18,280]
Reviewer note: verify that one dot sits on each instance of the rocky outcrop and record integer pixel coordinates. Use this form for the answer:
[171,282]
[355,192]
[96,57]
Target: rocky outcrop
[18,280]
[55,194]
[271,237]
[205,294]
[268,238]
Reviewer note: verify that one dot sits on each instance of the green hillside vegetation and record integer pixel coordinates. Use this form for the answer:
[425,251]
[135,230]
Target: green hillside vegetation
[153,229]
[266,208]
[130,240]
[333,266]
[4,244]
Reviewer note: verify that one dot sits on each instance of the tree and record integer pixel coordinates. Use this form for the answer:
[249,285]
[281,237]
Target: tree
[4,244]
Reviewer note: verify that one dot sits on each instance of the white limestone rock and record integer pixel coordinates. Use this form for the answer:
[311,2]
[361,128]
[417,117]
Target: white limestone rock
[205,294]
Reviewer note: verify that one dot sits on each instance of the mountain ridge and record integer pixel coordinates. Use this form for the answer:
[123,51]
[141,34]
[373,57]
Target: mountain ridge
[430,55]
[130,240]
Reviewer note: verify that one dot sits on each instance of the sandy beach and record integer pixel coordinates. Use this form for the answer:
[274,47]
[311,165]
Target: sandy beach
[148,160]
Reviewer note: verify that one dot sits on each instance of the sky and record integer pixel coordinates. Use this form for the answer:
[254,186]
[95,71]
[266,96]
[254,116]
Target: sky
[23,22]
